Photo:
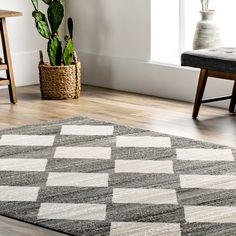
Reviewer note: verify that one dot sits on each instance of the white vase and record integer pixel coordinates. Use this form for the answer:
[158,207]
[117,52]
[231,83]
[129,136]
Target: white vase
[207,33]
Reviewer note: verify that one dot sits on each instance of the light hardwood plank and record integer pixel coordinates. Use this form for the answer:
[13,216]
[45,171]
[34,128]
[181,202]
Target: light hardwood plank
[11,227]
[162,115]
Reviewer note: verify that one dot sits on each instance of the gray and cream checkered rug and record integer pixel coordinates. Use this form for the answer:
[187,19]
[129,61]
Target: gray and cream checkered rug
[87,177]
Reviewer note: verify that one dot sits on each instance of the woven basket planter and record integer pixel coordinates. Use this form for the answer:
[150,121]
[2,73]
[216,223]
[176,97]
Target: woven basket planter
[60,82]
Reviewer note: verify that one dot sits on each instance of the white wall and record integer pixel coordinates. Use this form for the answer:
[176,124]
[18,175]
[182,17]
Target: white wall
[113,38]
[24,42]
[116,28]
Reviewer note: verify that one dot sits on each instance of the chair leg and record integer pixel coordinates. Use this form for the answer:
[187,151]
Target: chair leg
[200,91]
[233,100]
[8,61]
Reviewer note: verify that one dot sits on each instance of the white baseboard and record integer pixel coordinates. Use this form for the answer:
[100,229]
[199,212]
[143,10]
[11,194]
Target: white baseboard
[147,78]
[129,75]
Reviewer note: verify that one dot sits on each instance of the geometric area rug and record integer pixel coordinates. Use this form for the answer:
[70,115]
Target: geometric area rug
[87,177]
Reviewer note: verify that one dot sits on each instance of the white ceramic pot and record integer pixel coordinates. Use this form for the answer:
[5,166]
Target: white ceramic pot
[207,33]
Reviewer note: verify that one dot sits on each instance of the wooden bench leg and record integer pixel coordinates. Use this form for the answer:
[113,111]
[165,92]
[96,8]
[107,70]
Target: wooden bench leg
[8,61]
[233,100]
[200,91]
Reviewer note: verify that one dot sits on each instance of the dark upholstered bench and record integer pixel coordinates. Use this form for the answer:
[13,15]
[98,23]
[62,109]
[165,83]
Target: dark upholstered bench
[218,63]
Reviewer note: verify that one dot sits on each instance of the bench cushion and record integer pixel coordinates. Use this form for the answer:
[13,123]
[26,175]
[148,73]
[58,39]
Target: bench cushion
[217,59]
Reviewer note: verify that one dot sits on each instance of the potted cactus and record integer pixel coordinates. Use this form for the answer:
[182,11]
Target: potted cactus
[60,78]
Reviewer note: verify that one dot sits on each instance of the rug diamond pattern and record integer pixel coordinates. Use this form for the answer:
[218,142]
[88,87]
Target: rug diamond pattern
[87,177]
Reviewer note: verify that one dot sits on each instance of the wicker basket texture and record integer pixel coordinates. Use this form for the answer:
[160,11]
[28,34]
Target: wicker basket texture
[60,82]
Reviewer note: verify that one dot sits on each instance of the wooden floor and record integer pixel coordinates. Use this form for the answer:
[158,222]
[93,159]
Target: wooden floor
[157,114]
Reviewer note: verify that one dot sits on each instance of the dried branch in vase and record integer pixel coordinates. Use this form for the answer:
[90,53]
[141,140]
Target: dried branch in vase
[205,5]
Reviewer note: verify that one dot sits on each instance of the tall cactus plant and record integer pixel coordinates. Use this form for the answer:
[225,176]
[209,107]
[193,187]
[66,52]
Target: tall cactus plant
[48,27]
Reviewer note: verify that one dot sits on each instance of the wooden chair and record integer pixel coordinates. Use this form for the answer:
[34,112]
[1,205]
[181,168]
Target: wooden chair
[7,64]
[217,63]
